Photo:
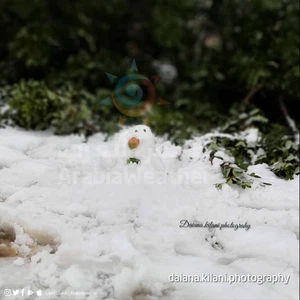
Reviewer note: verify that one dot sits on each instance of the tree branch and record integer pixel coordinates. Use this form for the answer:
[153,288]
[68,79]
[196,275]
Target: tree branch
[247,99]
[290,122]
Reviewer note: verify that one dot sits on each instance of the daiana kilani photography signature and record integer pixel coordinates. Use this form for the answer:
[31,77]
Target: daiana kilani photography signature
[210,225]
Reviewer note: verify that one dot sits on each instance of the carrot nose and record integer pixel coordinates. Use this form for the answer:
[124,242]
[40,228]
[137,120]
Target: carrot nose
[133,143]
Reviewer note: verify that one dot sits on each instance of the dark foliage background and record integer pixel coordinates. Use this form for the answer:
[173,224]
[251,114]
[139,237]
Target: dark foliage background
[228,55]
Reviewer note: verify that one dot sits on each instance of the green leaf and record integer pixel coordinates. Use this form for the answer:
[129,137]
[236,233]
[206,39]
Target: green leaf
[291,157]
[254,175]
[228,170]
[218,185]
[241,143]
[214,146]
[254,112]
[229,182]
[288,144]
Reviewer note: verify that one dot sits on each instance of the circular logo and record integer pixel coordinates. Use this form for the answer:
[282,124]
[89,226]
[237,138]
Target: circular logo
[7,292]
[134,95]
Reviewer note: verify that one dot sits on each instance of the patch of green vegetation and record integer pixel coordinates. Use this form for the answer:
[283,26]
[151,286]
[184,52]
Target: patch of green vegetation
[34,105]
[133,160]
[275,147]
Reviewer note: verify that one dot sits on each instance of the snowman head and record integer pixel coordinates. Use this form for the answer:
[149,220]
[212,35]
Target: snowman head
[141,139]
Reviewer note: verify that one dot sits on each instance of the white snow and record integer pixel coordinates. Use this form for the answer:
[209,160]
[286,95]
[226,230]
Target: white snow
[111,231]
[294,128]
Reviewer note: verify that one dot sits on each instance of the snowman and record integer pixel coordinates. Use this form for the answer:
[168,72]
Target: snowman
[136,145]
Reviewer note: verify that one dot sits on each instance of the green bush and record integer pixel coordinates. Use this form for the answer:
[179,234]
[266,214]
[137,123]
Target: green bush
[275,147]
[33,105]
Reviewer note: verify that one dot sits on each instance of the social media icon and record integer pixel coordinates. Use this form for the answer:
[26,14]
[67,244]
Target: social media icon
[39,293]
[29,292]
[22,292]
[7,292]
[15,292]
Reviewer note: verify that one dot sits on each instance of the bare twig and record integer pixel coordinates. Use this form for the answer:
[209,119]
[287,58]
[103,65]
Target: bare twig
[247,99]
[283,107]
[290,122]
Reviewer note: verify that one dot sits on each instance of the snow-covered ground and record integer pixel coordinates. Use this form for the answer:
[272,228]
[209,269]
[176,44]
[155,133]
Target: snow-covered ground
[85,224]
